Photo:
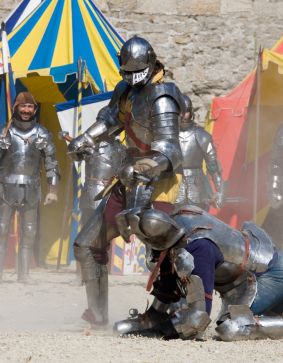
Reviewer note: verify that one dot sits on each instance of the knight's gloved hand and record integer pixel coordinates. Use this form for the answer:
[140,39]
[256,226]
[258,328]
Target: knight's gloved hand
[51,196]
[80,146]
[4,142]
[147,167]
[88,151]
[276,198]
[218,199]
[126,175]
[40,143]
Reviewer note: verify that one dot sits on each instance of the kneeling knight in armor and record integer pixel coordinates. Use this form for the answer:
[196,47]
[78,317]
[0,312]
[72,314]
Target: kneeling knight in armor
[196,253]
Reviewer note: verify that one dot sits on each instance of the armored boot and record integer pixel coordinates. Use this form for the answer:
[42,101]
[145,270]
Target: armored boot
[154,322]
[90,250]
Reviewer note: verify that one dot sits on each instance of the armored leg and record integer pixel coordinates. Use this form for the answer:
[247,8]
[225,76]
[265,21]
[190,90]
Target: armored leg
[28,222]
[243,325]
[191,319]
[91,251]
[5,221]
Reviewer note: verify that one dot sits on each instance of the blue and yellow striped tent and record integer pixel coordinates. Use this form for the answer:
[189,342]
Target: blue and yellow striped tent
[45,47]
[54,36]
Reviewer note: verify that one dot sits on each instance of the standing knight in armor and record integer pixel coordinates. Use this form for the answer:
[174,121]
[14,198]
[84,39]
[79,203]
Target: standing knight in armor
[197,146]
[102,163]
[205,253]
[148,110]
[22,147]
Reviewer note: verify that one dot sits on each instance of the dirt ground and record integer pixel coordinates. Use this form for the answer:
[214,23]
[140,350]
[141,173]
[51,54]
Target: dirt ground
[41,323]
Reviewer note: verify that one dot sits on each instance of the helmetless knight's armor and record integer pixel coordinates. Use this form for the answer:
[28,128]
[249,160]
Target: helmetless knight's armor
[197,146]
[21,153]
[248,276]
[148,110]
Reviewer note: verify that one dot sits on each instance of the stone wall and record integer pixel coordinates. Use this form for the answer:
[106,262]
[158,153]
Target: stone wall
[207,46]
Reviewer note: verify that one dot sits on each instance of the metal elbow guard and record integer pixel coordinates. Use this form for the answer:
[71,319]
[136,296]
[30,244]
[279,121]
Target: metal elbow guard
[169,149]
[183,262]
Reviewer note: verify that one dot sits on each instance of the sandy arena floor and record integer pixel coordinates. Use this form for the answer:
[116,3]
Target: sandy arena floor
[42,323]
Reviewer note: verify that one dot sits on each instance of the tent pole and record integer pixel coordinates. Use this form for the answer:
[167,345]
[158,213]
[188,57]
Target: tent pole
[257,134]
[79,125]
[66,213]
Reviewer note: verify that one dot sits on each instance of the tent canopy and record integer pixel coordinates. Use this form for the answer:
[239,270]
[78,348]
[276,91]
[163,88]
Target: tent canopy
[22,11]
[51,39]
[243,125]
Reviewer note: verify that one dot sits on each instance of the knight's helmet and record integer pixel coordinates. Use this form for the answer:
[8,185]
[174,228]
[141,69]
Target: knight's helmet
[154,227]
[137,61]
[22,98]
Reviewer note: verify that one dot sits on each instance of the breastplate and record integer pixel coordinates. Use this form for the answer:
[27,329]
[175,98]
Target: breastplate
[21,162]
[137,121]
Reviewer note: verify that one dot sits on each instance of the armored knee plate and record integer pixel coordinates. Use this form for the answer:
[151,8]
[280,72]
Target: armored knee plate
[28,235]
[89,267]
[193,324]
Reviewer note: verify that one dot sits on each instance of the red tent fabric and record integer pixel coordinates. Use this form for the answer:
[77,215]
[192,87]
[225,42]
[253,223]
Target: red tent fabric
[231,128]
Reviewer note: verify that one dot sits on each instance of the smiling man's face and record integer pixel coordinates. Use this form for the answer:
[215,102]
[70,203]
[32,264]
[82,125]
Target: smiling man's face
[26,111]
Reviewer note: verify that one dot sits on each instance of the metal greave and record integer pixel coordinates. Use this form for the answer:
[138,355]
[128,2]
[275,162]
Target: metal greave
[97,294]
[28,222]
[5,220]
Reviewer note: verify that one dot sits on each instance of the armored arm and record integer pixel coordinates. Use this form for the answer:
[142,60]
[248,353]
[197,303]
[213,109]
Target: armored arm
[50,162]
[5,143]
[276,195]
[213,166]
[107,123]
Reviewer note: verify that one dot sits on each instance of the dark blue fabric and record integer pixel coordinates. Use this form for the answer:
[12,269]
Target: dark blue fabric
[207,257]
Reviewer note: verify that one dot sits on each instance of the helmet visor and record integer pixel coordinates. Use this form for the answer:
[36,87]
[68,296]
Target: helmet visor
[135,78]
